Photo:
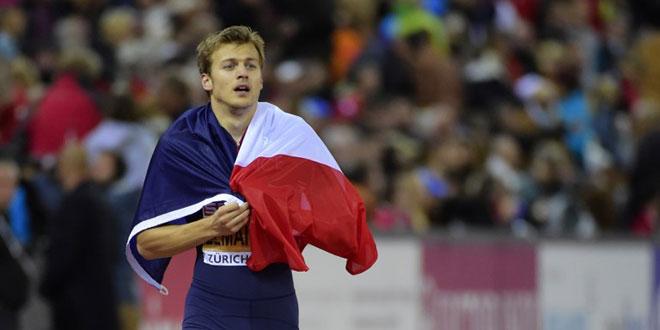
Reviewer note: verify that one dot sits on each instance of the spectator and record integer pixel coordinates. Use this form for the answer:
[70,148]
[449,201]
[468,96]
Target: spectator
[81,257]
[12,27]
[67,111]
[122,132]
[643,206]
[555,208]
[13,277]
[173,97]
[107,171]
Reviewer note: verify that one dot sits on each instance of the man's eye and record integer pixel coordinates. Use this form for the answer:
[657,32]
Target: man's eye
[228,66]
[251,66]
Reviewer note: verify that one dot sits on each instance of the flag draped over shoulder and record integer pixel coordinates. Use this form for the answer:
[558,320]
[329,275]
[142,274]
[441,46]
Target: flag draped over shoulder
[297,193]
[189,169]
[298,196]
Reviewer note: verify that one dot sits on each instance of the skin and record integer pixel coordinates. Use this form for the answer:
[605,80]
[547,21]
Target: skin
[233,66]
[72,167]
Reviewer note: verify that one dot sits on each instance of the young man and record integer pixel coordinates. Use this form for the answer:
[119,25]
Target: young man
[216,156]
[222,296]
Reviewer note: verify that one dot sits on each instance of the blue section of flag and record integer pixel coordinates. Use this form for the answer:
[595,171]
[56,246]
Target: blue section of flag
[192,162]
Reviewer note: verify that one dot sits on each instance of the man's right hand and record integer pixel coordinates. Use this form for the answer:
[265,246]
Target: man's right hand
[168,240]
[229,218]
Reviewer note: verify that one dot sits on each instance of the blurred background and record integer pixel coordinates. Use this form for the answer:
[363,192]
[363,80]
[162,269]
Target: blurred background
[508,152]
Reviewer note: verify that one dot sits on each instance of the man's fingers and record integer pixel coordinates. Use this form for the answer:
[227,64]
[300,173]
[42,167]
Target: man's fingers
[233,206]
[227,208]
[238,219]
[244,207]
[226,214]
[239,225]
[230,218]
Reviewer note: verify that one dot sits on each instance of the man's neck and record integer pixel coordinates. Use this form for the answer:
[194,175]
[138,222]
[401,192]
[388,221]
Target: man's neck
[234,120]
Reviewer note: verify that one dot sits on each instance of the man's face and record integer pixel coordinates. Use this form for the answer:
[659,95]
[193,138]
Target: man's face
[235,79]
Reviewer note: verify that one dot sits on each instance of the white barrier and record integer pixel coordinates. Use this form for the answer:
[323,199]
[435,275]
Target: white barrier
[466,285]
[597,286]
[385,297]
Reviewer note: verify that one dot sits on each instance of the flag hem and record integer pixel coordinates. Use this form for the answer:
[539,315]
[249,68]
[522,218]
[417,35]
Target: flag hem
[164,218]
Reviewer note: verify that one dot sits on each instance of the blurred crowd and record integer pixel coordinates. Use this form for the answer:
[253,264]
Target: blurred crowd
[530,117]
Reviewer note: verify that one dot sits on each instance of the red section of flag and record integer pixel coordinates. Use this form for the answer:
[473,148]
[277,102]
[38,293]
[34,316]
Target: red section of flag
[295,202]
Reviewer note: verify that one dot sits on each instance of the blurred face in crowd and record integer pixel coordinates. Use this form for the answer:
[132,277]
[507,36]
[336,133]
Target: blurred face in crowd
[508,148]
[104,168]
[234,80]
[13,21]
[72,166]
[8,183]
[173,97]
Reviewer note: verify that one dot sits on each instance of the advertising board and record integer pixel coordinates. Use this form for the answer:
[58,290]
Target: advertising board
[480,286]
[385,297]
[598,286]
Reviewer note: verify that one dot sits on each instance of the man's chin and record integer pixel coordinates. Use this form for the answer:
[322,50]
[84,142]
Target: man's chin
[236,103]
[243,104]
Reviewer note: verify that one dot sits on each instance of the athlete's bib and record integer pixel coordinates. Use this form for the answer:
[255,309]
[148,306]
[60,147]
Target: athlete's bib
[230,250]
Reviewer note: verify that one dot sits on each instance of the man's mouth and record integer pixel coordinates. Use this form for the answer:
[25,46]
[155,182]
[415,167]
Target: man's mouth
[242,88]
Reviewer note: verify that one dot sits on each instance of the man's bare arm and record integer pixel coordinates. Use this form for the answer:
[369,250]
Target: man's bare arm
[166,241]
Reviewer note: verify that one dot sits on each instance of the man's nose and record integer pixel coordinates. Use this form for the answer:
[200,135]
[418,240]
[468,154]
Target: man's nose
[242,71]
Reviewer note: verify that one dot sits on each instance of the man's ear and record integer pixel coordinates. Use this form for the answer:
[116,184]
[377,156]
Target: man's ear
[207,83]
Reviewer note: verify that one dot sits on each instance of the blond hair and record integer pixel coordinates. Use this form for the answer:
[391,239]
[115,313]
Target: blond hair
[237,34]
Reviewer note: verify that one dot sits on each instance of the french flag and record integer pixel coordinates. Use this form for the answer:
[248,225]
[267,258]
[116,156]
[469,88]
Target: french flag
[297,192]
[298,195]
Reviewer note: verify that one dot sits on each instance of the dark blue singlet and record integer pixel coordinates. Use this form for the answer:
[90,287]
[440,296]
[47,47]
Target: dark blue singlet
[241,299]
[224,295]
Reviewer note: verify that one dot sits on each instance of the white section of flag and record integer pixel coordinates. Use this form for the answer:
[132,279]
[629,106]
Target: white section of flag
[274,132]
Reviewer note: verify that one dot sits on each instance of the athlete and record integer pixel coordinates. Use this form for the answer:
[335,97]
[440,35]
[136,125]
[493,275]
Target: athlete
[195,158]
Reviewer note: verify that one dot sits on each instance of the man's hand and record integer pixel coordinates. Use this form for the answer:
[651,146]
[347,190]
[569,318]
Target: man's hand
[229,218]
[168,240]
